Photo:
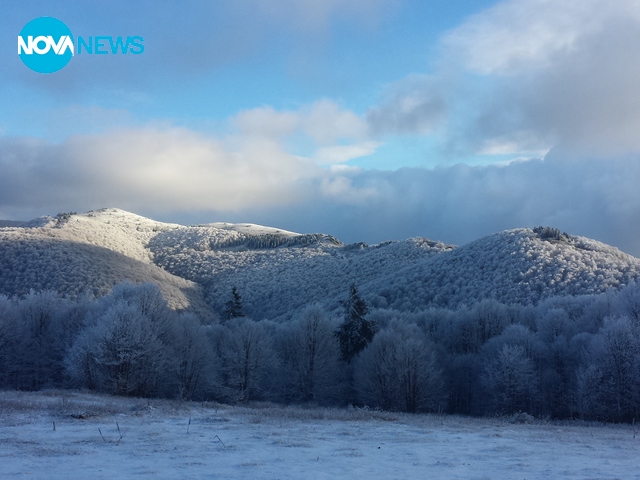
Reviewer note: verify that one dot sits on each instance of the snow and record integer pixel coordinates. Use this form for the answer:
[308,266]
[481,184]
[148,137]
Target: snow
[250,229]
[279,272]
[291,442]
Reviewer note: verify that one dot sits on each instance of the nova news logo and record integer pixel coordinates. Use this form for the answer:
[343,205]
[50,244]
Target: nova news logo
[46,45]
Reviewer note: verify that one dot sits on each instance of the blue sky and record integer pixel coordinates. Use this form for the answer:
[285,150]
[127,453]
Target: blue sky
[367,119]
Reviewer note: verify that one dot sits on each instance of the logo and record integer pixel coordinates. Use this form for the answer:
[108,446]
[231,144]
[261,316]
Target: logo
[46,45]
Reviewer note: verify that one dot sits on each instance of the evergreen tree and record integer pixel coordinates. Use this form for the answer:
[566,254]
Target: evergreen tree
[233,308]
[356,332]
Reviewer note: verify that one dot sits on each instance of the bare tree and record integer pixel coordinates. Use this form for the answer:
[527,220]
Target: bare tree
[246,360]
[193,358]
[312,359]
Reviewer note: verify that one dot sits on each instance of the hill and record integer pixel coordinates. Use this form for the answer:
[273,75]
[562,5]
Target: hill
[76,254]
[278,272]
[515,266]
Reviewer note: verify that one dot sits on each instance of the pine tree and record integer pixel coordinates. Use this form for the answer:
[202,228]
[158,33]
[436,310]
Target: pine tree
[356,332]
[233,308]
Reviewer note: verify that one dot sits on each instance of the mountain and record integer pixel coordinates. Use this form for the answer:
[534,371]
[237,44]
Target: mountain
[514,266]
[277,272]
[76,254]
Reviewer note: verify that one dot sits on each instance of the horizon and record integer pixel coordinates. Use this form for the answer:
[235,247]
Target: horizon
[279,229]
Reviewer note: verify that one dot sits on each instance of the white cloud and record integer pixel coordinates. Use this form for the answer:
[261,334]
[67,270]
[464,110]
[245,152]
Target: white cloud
[327,122]
[168,168]
[344,153]
[267,122]
[167,171]
[324,121]
[517,35]
[415,105]
[527,75]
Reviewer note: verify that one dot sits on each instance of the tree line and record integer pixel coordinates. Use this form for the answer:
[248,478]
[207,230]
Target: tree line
[567,357]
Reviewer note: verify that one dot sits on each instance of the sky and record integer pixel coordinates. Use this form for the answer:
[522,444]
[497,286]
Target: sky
[366,119]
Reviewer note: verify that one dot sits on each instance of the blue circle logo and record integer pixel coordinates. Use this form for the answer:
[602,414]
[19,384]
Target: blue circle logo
[45,45]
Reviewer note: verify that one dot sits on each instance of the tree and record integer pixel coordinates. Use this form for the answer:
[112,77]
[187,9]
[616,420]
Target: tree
[9,340]
[312,359]
[124,350]
[119,354]
[510,380]
[399,371]
[246,360]
[463,373]
[355,333]
[193,356]
[608,380]
[233,308]
[627,301]
[41,350]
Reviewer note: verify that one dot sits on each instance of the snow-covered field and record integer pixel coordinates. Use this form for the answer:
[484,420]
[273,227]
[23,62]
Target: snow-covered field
[104,437]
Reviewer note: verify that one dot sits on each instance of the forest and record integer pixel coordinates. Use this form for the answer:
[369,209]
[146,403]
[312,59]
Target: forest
[565,357]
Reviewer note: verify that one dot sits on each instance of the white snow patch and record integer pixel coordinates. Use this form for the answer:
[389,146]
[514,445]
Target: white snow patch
[251,229]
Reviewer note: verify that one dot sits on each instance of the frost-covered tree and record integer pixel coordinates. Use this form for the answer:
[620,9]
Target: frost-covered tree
[609,382]
[147,299]
[355,333]
[399,371]
[627,301]
[9,330]
[311,357]
[247,360]
[233,308]
[39,334]
[463,375]
[119,354]
[193,358]
[125,350]
[510,380]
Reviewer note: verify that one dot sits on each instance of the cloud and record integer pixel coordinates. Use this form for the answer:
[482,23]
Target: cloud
[415,105]
[324,121]
[161,168]
[524,76]
[520,35]
[563,73]
[335,134]
[171,168]
[457,204]
[171,173]
[344,153]
[267,122]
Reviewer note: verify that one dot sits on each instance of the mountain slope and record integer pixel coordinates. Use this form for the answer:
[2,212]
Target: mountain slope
[275,281]
[79,254]
[515,266]
[279,272]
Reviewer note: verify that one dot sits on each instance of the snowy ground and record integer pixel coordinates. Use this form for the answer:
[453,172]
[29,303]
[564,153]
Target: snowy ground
[163,439]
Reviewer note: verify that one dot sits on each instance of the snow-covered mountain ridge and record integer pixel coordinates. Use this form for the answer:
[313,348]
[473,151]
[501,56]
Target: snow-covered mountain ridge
[278,272]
